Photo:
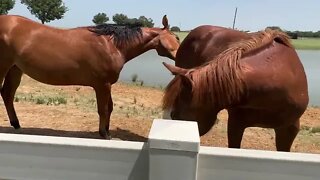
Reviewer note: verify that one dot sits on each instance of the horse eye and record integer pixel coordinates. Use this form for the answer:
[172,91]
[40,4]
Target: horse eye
[177,37]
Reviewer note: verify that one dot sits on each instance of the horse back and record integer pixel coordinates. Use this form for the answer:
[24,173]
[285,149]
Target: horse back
[204,43]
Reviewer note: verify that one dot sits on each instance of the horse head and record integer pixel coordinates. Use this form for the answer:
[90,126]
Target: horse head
[178,100]
[166,42]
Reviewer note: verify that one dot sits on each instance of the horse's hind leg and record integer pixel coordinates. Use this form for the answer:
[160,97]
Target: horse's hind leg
[11,83]
[286,135]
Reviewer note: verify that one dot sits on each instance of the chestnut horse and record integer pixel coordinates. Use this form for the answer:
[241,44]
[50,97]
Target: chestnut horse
[89,56]
[203,43]
[259,80]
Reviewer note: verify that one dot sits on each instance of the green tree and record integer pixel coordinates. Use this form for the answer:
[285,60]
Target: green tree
[46,10]
[175,28]
[120,19]
[274,28]
[100,18]
[6,5]
[146,22]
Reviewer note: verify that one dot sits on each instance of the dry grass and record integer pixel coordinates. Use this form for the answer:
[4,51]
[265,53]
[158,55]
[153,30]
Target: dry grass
[71,111]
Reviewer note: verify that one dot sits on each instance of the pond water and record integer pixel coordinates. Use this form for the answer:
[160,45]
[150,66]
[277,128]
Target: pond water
[149,69]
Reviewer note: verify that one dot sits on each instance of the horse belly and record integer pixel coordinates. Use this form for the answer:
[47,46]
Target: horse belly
[54,74]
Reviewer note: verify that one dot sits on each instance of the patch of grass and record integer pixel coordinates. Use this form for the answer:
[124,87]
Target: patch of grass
[307,43]
[305,128]
[310,130]
[181,35]
[91,101]
[315,130]
[47,100]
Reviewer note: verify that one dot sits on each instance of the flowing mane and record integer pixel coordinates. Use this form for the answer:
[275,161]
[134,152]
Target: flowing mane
[122,34]
[220,81]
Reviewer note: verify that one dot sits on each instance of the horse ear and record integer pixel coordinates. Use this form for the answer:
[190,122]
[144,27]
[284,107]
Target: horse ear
[187,82]
[165,22]
[175,70]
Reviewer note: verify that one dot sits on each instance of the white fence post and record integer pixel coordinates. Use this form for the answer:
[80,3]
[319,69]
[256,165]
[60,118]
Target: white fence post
[173,150]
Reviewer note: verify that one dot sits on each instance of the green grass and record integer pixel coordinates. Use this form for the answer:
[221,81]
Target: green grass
[181,35]
[315,130]
[307,43]
[302,43]
[41,99]
[309,130]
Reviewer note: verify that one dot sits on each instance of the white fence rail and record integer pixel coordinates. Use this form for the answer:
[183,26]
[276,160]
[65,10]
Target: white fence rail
[173,152]
[39,157]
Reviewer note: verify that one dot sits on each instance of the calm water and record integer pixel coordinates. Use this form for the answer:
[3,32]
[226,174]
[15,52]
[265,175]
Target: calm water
[150,70]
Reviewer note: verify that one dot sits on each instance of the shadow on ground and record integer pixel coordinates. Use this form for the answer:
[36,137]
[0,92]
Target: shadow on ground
[121,134]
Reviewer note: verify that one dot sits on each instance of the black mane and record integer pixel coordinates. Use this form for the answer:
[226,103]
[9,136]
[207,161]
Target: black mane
[122,34]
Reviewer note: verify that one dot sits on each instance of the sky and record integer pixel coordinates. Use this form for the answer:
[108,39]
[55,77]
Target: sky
[253,15]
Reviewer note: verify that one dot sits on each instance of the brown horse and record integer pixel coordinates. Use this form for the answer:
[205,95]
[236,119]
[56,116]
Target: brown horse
[89,56]
[260,81]
[203,43]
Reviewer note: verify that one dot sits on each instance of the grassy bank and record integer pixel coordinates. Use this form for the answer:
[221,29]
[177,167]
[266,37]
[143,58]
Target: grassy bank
[307,43]
[303,43]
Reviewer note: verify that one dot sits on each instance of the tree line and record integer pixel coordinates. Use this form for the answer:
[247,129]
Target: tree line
[122,19]
[49,10]
[297,34]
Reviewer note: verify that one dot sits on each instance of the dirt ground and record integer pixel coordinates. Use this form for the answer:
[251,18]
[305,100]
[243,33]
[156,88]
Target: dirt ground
[71,111]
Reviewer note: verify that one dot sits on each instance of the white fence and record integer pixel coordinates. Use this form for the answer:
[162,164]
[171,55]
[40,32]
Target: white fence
[173,152]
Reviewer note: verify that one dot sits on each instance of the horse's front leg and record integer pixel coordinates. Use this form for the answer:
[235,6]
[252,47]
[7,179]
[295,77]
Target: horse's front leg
[235,128]
[103,95]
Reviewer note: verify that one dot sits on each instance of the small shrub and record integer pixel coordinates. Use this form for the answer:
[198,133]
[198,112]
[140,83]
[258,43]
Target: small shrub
[175,28]
[58,100]
[315,130]
[40,100]
[92,101]
[134,77]
[16,99]
[305,128]
[50,100]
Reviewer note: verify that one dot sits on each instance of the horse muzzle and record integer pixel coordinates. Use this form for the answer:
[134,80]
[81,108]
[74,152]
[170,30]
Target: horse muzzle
[167,114]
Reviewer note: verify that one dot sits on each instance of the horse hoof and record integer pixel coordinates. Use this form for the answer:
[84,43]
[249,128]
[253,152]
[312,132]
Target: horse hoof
[15,125]
[105,135]
[108,137]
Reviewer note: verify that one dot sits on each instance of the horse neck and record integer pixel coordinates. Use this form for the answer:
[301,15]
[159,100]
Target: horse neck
[145,43]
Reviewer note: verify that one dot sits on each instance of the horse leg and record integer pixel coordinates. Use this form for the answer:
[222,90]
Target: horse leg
[110,109]
[103,95]
[204,126]
[286,135]
[11,83]
[235,130]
